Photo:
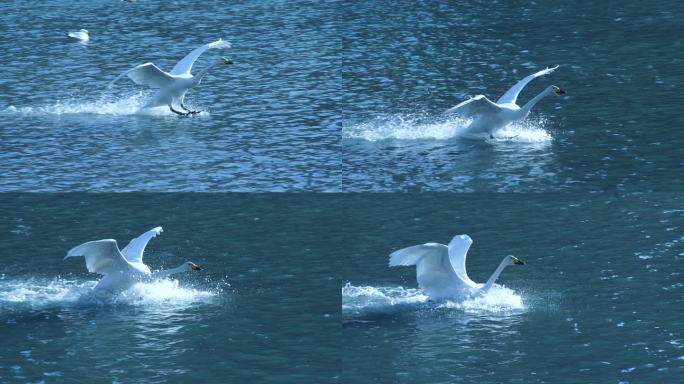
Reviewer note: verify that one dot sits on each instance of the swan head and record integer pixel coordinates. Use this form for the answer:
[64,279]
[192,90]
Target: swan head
[225,60]
[514,260]
[557,90]
[190,266]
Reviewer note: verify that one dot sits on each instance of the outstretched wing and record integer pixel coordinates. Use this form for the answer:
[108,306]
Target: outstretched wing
[101,256]
[184,66]
[458,250]
[434,272]
[474,106]
[147,74]
[511,96]
[133,252]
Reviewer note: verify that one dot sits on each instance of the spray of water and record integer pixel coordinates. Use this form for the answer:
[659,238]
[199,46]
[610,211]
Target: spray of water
[38,293]
[130,104]
[425,127]
[359,300]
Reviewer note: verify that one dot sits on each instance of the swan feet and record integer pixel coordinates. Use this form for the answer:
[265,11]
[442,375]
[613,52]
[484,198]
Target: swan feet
[188,113]
[188,109]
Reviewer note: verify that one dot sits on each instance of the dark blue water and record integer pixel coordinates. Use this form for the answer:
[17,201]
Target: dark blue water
[263,309]
[599,299]
[269,121]
[617,127]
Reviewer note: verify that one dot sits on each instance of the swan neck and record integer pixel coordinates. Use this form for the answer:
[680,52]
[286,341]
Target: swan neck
[168,272]
[495,275]
[528,106]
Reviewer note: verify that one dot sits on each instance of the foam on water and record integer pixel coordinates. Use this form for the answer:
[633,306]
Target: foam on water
[37,293]
[424,127]
[359,300]
[106,105]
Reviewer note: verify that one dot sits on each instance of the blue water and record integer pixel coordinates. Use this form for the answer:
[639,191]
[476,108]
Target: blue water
[599,298]
[268,121]
[343,97]
[617,127]
[263,309]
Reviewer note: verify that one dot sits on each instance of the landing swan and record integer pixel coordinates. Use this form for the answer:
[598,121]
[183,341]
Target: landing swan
[489,117]
[173,85]
[122,269]
[441,271]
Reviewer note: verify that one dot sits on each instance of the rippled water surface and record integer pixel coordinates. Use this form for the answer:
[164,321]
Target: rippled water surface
[598,300]
[617,127]
[250,314]
[268,121]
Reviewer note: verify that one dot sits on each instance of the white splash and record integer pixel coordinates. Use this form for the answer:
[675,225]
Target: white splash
[423,127]
[120,106]
[35,293]
[368,299]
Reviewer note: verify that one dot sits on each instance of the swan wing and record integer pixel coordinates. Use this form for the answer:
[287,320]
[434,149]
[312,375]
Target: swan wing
[133,252]
[511,96]
[434,271]
[101,256]
[458,250]
[147,74]
[477,105]
[184,66]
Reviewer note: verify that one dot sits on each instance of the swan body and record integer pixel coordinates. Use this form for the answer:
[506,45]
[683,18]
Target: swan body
[173,85]
[81,35]
[441,271]
[120,269]
[489,116]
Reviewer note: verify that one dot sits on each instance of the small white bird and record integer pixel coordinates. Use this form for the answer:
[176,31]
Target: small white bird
[441,271]
[81,35]
[489,117]
[173,85]
[122,269]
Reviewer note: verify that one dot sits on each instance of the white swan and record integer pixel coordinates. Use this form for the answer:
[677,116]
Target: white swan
[173,85]
[441,271]
[488,116]
[81,35]
[122,269]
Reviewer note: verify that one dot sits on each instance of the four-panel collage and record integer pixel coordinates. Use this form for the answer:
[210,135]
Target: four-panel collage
[341,192]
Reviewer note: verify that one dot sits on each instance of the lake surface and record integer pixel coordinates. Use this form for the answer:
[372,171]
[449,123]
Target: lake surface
[263,309]
[599,298]
[269,120]
[616,128]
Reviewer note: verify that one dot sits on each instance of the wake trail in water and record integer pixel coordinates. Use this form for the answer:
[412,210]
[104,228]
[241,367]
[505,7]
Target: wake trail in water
[38,294]
[365,300]
[106,105]
[426,127]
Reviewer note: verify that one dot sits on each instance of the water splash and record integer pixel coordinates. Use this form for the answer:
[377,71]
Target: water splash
[425,127]
[106,105]
[361,300]
[37,294]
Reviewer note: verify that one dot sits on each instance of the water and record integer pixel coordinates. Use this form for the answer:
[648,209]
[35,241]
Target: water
[346,98]
[268,121]
[599,298]
[406,63]
[262,309]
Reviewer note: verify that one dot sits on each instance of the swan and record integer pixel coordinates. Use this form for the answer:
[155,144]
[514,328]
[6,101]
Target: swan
[173,85]
[488,116]
[441,271]
[81,35]
[122,269]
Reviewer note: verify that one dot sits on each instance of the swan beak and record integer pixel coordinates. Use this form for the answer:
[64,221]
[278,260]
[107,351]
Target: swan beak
[196,267]
[517,261]
[227,61]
